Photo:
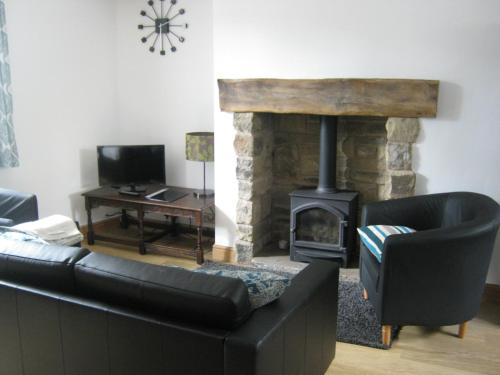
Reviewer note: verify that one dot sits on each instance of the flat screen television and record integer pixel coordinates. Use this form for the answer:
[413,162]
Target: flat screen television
[132,166]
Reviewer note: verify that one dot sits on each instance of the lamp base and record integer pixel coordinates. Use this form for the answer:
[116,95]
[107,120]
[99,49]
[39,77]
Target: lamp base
[199,194]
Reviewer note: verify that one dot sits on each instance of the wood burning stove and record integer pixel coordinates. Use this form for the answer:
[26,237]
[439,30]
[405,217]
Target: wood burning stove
[323,220]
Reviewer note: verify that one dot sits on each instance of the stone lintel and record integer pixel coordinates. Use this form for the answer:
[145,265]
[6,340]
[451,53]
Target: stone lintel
[333,97]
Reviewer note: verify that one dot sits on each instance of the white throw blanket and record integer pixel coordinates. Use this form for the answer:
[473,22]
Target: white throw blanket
[55,229]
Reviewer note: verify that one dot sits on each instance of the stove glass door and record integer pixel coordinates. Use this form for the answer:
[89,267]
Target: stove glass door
[318,227]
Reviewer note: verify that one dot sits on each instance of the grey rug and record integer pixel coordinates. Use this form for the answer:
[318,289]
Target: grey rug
[356,321]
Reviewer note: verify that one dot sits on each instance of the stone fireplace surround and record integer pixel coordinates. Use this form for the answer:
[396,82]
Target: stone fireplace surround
[277,145]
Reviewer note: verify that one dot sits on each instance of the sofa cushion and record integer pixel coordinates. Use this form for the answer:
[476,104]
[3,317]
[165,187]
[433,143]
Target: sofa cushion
[6,222]
[373,236]
[39,265]
[263,286]
[169,291]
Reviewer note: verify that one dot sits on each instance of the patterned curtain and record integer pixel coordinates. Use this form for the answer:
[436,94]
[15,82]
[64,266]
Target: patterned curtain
[8,148]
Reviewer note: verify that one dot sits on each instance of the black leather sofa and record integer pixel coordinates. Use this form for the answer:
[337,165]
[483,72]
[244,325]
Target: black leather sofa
[17,207]
[65,310]
[435,276]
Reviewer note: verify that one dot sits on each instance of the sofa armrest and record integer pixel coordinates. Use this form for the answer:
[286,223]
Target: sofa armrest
[296,332]
[18,207]
[420,212]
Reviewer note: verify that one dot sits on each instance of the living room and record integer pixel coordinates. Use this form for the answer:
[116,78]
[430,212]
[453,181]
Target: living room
[412,91]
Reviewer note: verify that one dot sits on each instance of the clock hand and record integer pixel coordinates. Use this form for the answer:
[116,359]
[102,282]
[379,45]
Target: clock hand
[163,24]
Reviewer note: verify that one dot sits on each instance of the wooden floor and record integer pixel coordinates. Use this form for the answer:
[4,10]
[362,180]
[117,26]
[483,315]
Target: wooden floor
[416,351]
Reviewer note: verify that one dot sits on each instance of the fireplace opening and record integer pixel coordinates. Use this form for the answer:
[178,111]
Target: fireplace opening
[323,220]
[280,170]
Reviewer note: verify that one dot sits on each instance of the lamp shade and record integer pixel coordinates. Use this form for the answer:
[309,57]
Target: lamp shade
[200,146]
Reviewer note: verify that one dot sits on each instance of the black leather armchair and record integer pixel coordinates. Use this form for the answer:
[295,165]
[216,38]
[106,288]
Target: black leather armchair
[436,276]
[17,208]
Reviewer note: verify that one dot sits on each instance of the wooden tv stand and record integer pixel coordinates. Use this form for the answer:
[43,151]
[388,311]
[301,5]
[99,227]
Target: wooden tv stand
[188,206]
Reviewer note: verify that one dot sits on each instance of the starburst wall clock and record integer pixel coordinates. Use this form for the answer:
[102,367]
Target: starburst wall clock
[165,25]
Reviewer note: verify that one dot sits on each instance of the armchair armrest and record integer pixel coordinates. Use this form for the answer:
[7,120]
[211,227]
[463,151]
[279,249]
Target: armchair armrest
[420,212]
[442,271]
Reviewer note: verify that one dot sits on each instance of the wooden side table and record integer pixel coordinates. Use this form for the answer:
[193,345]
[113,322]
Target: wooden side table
[188,206]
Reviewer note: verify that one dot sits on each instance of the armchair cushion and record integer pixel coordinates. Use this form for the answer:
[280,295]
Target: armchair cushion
[374,236]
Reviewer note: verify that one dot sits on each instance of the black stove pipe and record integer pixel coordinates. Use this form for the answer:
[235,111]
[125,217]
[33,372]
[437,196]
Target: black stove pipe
[328,155]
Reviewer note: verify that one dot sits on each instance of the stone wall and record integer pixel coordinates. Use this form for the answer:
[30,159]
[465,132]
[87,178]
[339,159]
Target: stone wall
[280,153]
[254,149]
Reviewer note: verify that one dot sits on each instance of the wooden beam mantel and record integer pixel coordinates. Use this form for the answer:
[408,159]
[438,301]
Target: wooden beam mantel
[336,97]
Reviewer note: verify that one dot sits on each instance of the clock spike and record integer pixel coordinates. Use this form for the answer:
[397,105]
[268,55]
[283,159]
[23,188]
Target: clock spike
[162,52]
[178,13]
[151,4]
[145,39]
[172,47]
[179,38]
[154,43]
[140,27]
[169,9]
[145,14]
[151,49]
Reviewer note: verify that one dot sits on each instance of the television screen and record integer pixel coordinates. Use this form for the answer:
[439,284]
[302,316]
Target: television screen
[131,165]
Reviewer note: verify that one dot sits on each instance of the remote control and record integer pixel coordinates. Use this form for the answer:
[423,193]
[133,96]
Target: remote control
[133,193]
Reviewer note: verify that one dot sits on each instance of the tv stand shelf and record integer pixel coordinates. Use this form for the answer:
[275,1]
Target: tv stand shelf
[188,206]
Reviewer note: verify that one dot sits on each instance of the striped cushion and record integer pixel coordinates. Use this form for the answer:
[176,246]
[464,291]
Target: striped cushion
[373,237]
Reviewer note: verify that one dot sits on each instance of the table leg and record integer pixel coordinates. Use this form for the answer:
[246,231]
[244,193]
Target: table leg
[140,219]
[124,222]
[90,227]
[175,227]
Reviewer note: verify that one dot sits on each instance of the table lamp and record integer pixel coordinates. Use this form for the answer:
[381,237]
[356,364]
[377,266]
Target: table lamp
[200,147]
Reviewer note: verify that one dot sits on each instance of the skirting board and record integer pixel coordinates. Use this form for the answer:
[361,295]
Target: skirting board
[225,254]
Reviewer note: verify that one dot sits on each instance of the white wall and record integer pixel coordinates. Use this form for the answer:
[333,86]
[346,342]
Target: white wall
[81,77]
[63,81]
[162,98]
[454,41]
